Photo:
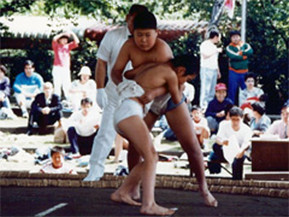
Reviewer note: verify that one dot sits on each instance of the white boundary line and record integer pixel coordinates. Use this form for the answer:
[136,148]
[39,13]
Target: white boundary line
[52,209]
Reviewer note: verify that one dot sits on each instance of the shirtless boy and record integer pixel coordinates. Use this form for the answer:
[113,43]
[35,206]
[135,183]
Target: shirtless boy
[144,50]
[129,123]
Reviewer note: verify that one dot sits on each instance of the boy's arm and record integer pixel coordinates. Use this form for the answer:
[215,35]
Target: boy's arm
[173,87]
[233,55]
[74,36]
[119,66]
[130,74]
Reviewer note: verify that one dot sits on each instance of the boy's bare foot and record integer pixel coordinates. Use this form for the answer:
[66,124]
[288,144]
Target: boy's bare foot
[123,198]
[209,199]
[157,210]
[135,195]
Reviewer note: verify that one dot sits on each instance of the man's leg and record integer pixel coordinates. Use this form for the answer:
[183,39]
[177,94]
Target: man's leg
[237,166]
[233,85]
[56,74]
[72,137]
[102,142]
[66,82]
[205,87]
[181,123]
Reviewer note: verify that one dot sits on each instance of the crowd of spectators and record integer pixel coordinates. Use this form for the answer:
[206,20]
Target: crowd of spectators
[219,115]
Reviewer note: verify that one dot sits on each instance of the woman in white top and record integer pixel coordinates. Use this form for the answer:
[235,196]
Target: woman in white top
[82,88]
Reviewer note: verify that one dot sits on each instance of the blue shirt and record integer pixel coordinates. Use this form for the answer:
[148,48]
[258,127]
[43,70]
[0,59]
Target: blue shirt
[215,107]
[32,84]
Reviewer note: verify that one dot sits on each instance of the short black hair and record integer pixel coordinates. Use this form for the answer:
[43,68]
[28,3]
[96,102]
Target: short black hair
[250,75]
[145,20]
[85,101]
[236,111]
[29,63]
[190,62]
[57,149]
[213,34]
[137,8]
[258,107]
[195,107]
[228,108]
[234,32]
[3,69]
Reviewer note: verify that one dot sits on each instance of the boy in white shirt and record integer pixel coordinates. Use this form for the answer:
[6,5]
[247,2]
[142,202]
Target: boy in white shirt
[57,165]
[233,139]
[83,128]
[200,124]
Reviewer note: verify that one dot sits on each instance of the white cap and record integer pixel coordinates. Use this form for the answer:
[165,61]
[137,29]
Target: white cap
[84,71]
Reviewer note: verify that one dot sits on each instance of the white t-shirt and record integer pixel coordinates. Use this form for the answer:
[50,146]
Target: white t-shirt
[203,123]
[243,135]
[85,125]
[89,87]
[110,46]
[245,94]
[207,48]
[65,169]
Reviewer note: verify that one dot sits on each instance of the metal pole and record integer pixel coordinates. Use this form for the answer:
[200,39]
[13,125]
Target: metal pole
[243,25]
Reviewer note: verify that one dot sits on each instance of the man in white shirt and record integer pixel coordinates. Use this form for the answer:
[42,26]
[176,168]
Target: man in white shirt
[233,139]
[209,68]
[107,97]
[83,128]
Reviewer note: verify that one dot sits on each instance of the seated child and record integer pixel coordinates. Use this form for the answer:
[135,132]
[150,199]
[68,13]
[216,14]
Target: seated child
[57,165]
[200,124]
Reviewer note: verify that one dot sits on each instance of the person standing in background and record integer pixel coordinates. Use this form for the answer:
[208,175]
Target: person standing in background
[61,64]
[238,52]
[210,71]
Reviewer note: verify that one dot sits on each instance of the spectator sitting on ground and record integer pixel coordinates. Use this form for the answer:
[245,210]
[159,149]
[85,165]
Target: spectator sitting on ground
[45,109]
[5,108]
[259,122]
[250,90]
[57,164]
[26,86]
[233,139]
[281,127]
[83,125]
[82,88]
[215,112]
[200,124]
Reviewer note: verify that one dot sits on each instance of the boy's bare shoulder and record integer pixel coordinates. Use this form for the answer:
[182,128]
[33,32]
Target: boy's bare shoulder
[163,48]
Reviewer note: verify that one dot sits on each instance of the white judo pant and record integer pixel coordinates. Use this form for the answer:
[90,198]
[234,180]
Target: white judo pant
[105,137]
